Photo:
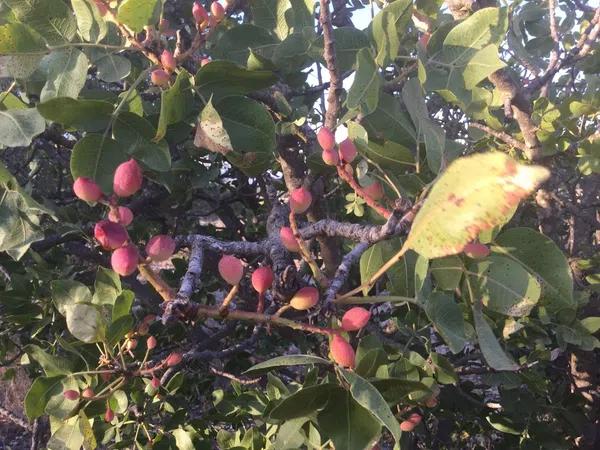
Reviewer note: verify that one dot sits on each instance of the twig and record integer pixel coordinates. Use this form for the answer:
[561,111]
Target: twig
[554,53]
[581,49]
[504,137]
[14,418]
[233,377]
[156,281]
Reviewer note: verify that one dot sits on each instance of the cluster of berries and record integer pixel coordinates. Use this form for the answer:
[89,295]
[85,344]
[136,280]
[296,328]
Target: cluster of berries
[343,156]
[204,19]
[111,233]
[88,394]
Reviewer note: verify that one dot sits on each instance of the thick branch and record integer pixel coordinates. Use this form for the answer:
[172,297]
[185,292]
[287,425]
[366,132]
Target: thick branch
[192,275]
[333,100]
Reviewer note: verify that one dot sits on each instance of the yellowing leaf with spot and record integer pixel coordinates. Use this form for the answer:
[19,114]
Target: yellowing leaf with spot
[210,132]
[475,193]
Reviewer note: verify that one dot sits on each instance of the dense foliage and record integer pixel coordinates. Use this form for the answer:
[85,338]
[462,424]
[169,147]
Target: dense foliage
[281,224]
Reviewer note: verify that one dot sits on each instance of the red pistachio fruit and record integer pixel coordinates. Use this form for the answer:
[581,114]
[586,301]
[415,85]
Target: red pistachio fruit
[326,138]
[347,150]
[86,189]
[160,247]
[121,214]
[110,235]
[300,200]
[305,298]
[128,178]
[160,77]
[124,260]
[355,318]
[476,250]
[341,351]
[231,269]
[173,359]
[168,61]
[288,239]
[262,279]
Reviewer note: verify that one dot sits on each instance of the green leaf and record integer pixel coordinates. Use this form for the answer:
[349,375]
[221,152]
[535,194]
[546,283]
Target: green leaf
[484,27]
[541,257]
[19,217]
[38,395]
[272,15]
[447,317]
[492,352]
[18,127]
[368,363]
[290,435]
[88,115]
[118,329]
[107,287]
[67,72]
[136,14]
[369,398]
[21,49]
[504,286]
[118,402]
[122,305]
[252,132]
[53,20]
[348,41]
[137,133]
[18,38]
[347,423]
[391,122]
[591,324]
[364,92]
[97,157]
[183,440]
[52,365]
[113,68]
[504,424]
[433,135]
[85,428]
[397,390]
[85,322]
[447,272]
[90,23]
[302,402]
[391,156]
[223,78]
[68,436]
[292,55]
[235,44]
[372,260]
[58,405]
[388,28]
[478,202]
[175,105]
[69,292]
[285,361]
[444,371]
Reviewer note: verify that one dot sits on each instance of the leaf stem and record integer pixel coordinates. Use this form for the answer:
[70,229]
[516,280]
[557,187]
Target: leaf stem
[383,269]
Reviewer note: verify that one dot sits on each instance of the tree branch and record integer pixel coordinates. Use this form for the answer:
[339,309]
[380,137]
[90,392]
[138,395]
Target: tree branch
[333,101]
